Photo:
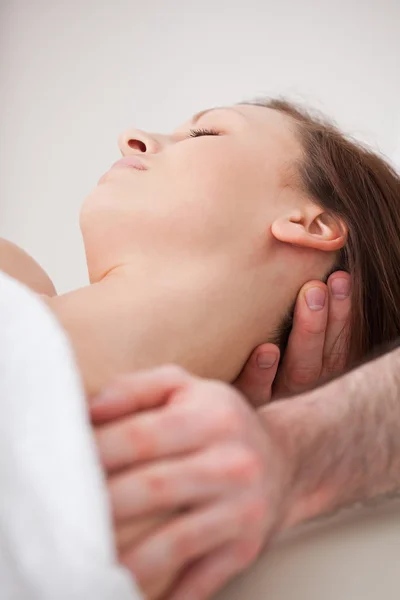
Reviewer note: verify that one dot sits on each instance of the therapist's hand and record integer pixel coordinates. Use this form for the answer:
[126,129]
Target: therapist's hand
[197,448]
[316,349]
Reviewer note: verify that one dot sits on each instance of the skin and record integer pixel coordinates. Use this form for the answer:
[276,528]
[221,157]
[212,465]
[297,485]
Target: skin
[210,217]
[18,264]
[307,360]
[287,468]
[244,177]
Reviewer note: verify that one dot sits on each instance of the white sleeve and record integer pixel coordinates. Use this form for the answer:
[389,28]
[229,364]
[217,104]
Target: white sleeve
[56,539]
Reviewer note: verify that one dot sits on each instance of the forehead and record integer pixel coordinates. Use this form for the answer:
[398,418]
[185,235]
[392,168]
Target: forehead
[270,124]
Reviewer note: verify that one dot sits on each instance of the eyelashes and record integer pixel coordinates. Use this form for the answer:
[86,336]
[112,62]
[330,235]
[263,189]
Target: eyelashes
[199,132]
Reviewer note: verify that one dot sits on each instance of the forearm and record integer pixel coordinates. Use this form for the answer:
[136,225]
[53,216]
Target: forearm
[341,441]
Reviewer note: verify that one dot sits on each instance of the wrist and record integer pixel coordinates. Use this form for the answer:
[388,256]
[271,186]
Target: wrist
[301,428]
[339,443]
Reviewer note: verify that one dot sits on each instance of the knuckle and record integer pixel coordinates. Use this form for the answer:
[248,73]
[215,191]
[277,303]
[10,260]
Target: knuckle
[314,328]
[311,325]
[139,443]
[244,465]
[253,512]
[228,417]
[158,487]
[222,408]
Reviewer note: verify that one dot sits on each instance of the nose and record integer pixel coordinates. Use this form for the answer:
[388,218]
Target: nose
[135,141]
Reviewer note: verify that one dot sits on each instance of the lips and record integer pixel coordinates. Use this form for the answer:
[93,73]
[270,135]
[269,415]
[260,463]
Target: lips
[132,162]
[128,162]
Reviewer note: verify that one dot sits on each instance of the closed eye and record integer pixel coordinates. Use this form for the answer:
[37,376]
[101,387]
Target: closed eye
[199,132]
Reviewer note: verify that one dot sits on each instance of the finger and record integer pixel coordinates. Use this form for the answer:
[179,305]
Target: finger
[336,338]
[181,482]
[208,575]
[256,379]
[157,588]
[181,427]
[138,391]
[131,532]
[302,363]
[188,537]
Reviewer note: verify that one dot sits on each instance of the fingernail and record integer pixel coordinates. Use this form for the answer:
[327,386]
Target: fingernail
[266,360]
[315,298]
[340,288]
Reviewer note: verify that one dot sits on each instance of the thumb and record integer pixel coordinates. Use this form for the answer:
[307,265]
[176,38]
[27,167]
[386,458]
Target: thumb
[256,379]
[138,391]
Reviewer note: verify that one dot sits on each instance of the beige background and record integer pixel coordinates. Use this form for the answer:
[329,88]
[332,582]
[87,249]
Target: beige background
[73,74]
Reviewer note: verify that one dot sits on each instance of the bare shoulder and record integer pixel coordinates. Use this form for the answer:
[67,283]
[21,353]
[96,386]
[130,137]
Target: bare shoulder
[18,264]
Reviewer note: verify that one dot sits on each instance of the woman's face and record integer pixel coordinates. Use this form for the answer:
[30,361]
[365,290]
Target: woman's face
[214,185]
[209,225]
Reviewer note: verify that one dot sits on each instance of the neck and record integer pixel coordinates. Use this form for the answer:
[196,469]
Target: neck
[129,321]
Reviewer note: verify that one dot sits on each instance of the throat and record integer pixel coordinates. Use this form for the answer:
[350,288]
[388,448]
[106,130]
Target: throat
[119,325]
[116,327]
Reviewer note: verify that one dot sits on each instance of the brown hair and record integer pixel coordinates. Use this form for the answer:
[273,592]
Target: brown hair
[361,188]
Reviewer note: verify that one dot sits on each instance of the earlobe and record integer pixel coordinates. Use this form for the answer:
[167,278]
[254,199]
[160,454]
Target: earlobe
[320,231]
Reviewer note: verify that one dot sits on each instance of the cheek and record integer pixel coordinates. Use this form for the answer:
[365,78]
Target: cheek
[215,173]
[211,189]
[199,195]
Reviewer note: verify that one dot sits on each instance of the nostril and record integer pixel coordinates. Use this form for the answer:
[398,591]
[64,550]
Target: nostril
[137,145]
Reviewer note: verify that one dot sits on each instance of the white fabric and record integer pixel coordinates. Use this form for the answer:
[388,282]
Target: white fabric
[55,532]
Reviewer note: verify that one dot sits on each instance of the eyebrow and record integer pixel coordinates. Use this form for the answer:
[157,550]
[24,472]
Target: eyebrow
[198,116]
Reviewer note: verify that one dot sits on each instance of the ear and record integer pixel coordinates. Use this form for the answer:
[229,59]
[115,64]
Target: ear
[311,227]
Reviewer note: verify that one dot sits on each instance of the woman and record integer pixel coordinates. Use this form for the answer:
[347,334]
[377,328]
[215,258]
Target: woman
[197,243]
